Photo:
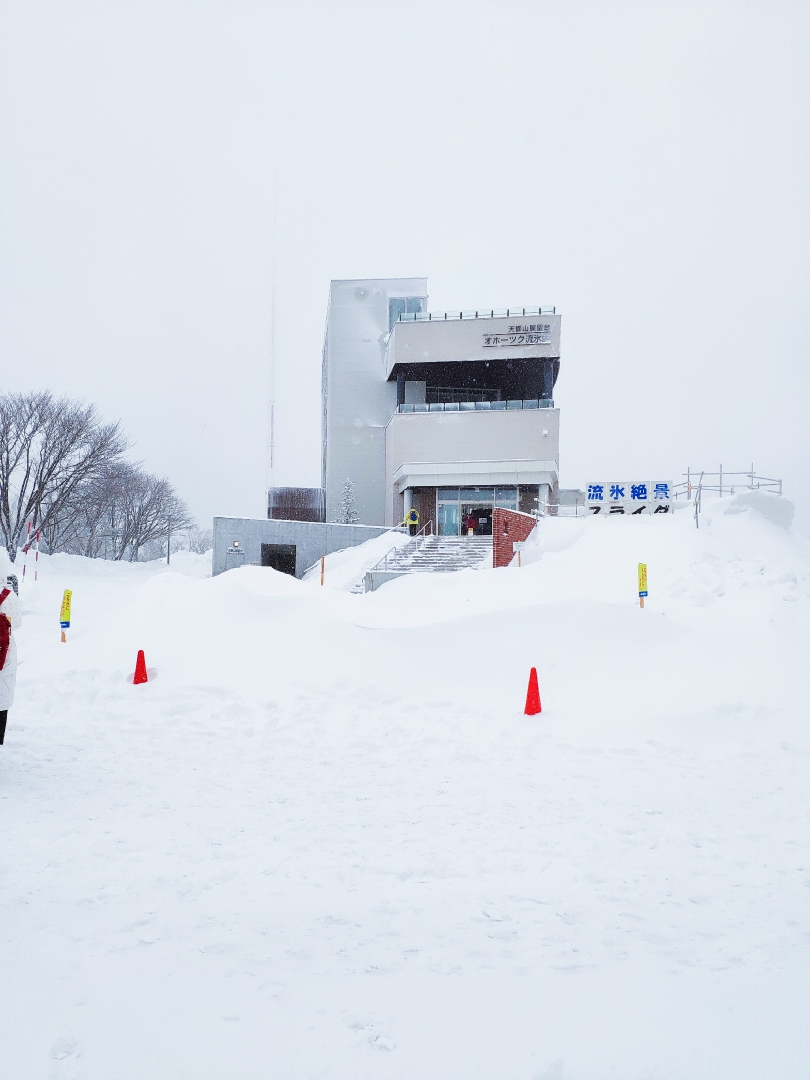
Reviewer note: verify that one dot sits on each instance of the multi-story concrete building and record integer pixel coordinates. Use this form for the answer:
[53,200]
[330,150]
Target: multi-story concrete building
[358,401]
[450,412]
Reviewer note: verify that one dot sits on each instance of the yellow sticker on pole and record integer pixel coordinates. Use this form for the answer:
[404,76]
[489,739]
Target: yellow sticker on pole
[64,614]
[642,579]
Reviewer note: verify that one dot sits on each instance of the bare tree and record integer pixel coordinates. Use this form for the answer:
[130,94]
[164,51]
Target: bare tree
[62,469]
[84,525]
[117,514]
[49,447]
[148,509]
[200,540]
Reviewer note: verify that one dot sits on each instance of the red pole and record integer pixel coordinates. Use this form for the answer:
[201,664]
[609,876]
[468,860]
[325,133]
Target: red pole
[25,549]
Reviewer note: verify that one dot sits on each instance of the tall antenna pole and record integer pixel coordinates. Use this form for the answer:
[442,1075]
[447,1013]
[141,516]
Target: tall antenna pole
[271,450]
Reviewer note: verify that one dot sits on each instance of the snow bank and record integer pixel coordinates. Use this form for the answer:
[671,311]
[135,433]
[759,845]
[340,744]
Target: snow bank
[345,568]
[323,840]
[772,508]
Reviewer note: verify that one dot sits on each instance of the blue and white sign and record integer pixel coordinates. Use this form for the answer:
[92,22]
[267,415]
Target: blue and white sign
[630,497]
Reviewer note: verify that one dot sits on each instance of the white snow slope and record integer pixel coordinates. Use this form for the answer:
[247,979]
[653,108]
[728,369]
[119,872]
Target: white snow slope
[324,840]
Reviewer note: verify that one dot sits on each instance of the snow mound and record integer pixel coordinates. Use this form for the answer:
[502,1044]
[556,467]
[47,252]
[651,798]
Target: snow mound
[324,840]
[345,568]
[772,507]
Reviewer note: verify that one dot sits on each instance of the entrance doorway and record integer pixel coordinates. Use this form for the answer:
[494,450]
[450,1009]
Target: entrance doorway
[476,518]
[279,557]
[459,509]
[449,519]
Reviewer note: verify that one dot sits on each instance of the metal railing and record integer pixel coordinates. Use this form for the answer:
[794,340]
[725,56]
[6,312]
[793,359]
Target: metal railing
[411,548]
[751,482]
[461,393]
[553,509]
[698,501]
[480,313]
[476,406]
[317,563]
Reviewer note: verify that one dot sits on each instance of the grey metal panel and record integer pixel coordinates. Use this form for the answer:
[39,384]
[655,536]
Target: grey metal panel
[357,400]
[458,340]
[312,539]
[416,474]
[522,434]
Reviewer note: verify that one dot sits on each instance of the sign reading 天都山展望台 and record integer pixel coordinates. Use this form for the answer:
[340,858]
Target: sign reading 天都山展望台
[639,497]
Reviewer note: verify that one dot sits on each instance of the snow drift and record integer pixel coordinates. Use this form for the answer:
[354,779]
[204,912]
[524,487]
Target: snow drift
[323,840]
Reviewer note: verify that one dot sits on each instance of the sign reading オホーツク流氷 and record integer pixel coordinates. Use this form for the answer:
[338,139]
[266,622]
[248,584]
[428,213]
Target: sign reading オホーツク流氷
[643,497]
[521,334]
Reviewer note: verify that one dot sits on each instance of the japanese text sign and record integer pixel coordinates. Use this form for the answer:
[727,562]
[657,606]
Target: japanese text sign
[64,614]
[521,334]
[636,497]
[642,579]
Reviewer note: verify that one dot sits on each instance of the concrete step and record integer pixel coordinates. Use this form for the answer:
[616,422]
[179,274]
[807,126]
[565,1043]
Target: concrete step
[443,554]
[438,555]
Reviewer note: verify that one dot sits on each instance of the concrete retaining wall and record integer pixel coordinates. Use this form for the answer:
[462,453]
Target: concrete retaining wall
[238,541]
[375,578]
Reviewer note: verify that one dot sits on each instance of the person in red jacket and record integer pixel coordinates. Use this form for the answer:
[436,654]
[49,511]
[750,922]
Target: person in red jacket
[10,619]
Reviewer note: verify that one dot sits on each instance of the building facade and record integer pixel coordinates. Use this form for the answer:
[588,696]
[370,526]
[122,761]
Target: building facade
[357,398]
[450,412]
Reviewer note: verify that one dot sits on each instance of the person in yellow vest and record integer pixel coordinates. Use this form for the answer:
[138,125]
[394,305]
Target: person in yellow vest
[412,521]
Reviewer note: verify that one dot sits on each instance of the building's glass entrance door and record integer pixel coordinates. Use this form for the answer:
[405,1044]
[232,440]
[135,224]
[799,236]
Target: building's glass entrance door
[476,519]
[448,518]
[460,509]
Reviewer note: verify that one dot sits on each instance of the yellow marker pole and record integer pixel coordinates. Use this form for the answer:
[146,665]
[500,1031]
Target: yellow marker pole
[64,614]
[322,568]
[642,583]
[518,556]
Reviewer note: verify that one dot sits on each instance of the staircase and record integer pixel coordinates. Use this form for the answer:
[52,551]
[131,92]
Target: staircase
[442,554]
[436,554]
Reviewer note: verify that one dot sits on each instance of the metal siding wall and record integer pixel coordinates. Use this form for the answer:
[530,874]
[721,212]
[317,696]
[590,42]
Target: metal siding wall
[358,402]
[463,339]
[469,436]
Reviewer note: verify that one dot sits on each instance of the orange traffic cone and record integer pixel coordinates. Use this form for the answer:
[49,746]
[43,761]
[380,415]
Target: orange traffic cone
[533,705]
[140,669]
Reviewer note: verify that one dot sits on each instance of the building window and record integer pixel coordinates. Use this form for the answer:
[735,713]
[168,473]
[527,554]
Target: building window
[506,497]
[402,305]
[460,509]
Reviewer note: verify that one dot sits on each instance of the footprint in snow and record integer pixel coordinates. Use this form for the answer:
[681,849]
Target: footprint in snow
[382,1042]
[65,1053]
[495,914]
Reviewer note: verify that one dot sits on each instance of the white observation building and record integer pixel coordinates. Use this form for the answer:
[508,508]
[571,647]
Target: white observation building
[449,412]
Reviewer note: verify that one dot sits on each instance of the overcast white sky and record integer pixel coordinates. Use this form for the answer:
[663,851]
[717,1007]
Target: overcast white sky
[642,166]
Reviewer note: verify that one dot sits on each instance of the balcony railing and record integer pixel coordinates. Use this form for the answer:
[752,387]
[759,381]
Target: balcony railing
[481,313]
[477,406]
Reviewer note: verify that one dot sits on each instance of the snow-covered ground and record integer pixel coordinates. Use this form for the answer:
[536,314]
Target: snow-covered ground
[324,840]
